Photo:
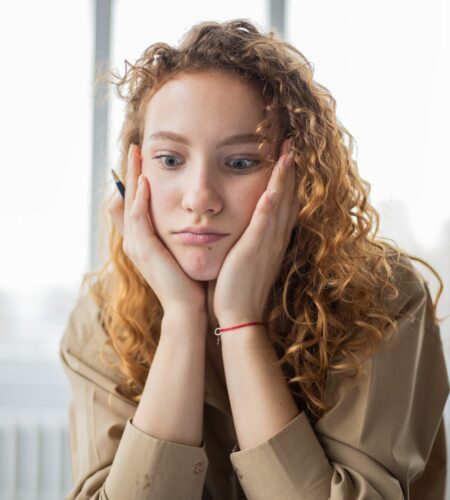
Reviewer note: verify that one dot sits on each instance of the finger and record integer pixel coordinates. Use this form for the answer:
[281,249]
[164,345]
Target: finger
[288,205]
[140,224]
[280,209]
[133,172]
[270,199]
[255,231]
[279,169]
[116,212]
[265,226]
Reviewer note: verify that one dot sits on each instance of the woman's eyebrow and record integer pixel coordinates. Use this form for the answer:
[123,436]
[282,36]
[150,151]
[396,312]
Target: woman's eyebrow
[229,141]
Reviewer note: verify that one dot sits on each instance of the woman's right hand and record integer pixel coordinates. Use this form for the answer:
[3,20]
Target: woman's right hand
[173,287]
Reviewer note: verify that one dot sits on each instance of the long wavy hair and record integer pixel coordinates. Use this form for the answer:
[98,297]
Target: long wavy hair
[327,308]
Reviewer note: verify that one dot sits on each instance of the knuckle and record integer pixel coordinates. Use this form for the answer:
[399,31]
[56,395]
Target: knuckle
[115,203]
[135,213]
[111,209]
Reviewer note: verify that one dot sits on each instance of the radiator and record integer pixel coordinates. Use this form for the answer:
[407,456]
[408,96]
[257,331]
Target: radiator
[34,454]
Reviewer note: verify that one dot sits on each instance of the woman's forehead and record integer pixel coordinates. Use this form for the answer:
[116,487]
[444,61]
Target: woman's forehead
[209,86]
[197,102]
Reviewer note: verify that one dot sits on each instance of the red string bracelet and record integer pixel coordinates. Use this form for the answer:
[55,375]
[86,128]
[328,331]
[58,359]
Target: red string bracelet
[218,330]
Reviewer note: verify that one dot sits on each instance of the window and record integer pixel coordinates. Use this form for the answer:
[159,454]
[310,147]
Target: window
[46,134]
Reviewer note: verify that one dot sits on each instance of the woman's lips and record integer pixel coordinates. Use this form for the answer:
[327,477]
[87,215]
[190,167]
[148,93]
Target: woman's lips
[199,238]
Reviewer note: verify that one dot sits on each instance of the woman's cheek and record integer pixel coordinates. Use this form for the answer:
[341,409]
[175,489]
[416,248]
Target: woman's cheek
[156,206]
[249,200]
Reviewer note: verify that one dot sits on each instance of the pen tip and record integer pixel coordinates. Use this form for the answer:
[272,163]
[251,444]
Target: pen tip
[116,177]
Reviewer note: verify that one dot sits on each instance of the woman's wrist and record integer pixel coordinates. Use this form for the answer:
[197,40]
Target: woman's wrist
[235,318]
[192,321]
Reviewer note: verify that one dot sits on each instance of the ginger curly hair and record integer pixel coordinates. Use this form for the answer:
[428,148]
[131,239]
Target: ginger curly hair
[327,311]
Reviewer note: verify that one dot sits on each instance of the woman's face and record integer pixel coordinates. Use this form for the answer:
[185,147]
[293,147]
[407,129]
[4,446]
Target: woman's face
[200,172]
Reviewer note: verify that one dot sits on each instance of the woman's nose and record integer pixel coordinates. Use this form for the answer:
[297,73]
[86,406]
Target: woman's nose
[202,195]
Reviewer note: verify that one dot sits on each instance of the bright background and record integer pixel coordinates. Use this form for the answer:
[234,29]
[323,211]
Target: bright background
[386,63]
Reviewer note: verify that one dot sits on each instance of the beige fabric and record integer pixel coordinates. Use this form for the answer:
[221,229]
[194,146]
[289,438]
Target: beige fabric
[384,439]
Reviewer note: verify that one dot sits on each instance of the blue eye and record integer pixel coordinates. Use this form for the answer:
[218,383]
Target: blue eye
[164,163]
[241,160]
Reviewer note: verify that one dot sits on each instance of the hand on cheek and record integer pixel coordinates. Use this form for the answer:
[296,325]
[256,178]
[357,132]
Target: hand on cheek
[251,266]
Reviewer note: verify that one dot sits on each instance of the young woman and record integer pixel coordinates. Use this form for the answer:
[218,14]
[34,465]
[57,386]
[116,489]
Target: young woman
[245,221]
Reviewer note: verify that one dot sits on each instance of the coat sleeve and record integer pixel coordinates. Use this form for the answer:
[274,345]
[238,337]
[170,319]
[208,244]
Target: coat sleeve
[378,437]
[111,458]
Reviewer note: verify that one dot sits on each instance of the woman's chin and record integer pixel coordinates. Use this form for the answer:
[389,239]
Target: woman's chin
[203,276]
[199,268]
[201,273]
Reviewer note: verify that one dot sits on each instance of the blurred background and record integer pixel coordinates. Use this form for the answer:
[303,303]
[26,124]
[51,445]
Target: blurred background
[386,63]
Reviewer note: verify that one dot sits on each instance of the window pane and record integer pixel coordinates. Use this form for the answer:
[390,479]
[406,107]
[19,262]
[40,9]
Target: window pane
[46,52]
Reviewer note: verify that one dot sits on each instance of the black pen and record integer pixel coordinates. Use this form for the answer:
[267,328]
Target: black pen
[119,184]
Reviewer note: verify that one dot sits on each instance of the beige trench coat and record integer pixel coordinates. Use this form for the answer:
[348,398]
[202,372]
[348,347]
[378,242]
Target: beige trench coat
[384,439]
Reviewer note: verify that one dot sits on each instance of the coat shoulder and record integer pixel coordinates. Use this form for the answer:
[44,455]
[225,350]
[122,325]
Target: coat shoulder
[85,345]
[412,288]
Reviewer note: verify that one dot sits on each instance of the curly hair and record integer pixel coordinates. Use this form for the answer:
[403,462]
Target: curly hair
[327,308]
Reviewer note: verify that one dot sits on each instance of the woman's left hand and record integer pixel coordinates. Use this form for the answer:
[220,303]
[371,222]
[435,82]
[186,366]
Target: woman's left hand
[251,266]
